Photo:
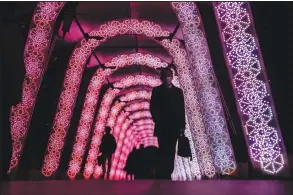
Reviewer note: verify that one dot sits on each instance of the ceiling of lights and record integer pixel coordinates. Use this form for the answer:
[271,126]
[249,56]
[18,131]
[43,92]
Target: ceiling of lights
[93,14]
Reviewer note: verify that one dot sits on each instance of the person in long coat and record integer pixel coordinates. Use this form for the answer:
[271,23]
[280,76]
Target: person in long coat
[107,148]
[168,113]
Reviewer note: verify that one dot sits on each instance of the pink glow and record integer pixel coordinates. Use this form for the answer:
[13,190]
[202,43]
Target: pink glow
[102,118]
[250,84]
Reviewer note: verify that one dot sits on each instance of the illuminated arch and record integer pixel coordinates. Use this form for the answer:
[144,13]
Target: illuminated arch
[128,143]
[73,78]
[118,106]
[250,84]
[206,85]
[118,156]
[103,114]
[195,172]
[19,126]
[36,55]
[126,149]
[82,136]
[62,132]
[192,165]
[92,97]
[130,96]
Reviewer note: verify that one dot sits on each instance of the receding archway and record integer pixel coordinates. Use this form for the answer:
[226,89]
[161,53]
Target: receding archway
[72,81]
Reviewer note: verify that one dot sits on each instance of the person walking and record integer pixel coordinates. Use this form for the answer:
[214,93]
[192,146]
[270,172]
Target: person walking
[168,113]
[107,148]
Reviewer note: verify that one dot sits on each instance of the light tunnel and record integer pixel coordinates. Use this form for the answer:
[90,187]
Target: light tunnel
[129,116]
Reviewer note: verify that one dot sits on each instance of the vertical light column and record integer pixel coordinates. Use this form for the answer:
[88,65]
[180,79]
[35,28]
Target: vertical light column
[251,89]
[207,91]
[35,61]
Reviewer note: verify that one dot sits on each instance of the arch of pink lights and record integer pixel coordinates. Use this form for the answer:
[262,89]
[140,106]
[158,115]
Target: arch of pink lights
[122,152]
[119,61]
[91,102]
[52,161]
[73,78]
[43,22]
[192,165]
[36,58]
[121,161]
[48,11]
[125,82]
[104,111]
[131,96]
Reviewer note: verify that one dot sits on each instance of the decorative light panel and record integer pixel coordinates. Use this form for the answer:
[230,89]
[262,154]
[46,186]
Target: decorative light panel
[206,85]
[35,61]
[250,84]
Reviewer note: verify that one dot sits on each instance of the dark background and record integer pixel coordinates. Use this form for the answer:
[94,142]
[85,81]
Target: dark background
[273,22]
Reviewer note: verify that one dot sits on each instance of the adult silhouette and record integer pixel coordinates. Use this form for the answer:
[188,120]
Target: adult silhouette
[131,164]
[107,148]
[140,167]
[168,113]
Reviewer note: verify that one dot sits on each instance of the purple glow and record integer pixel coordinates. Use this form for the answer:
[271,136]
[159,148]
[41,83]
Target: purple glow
[250,85]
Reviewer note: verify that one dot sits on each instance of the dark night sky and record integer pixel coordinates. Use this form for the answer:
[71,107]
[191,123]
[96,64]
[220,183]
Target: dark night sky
[273,25]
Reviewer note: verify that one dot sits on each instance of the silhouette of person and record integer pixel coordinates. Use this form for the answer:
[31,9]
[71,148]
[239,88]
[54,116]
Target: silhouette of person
[107,148]
[168,112]
[140,163]
[130,166]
